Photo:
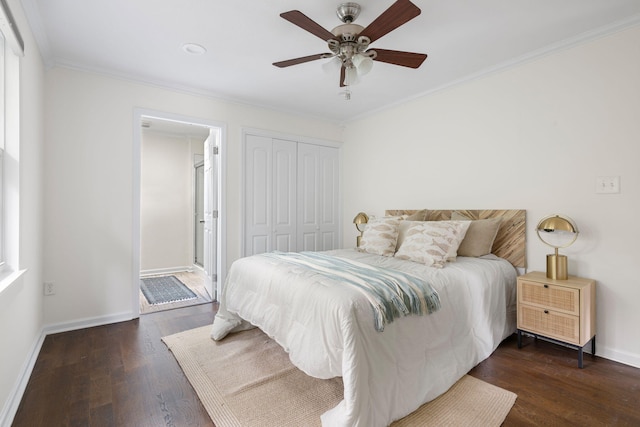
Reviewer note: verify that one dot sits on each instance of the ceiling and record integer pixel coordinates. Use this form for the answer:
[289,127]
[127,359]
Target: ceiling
[142,40]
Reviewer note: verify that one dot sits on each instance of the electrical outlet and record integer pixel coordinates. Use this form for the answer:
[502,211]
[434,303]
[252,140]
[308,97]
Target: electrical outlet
[49,288]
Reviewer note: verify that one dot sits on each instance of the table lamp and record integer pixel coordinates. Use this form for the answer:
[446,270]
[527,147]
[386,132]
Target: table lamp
[557,231]
[360,221]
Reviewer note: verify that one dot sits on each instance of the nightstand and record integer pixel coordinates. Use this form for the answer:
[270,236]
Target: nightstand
[560,310]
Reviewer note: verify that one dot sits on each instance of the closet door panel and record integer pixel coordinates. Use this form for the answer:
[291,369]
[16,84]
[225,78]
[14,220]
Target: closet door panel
[308,241]
[329,240]
[328,194]
[259,245]
[318,180]
[307,184]
[284,195]
[307,197]
[258,194]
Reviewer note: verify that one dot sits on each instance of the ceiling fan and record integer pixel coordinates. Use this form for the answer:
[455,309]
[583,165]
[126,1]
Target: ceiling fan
[349,42]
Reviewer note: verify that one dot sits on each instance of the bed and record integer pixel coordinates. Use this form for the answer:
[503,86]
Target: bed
[390,364]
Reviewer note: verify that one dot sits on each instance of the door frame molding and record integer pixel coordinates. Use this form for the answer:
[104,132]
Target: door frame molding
[138,115]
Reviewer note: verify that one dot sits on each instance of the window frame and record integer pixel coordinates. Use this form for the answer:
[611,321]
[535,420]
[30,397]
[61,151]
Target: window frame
[12,49]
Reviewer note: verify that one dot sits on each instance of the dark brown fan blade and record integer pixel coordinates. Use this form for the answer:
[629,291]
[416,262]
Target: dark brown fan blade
[401,12]
[301,60]
[303,21]
[396,57]
[342,76]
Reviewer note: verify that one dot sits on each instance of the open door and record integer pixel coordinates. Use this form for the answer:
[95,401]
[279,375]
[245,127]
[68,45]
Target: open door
[210,211]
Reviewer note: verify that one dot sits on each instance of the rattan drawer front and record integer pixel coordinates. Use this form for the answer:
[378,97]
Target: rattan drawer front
[550,296]
[549,323]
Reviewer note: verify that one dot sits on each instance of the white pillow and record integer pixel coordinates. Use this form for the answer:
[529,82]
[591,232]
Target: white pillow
[380,236]
[432,242]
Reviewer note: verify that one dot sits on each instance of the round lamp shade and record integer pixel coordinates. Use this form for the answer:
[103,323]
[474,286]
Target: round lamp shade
[557,231]
[360,220]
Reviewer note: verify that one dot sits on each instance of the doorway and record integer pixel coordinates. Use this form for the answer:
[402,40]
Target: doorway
[189,247]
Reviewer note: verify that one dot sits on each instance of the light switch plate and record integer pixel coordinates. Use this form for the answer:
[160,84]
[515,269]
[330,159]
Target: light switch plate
[608,184]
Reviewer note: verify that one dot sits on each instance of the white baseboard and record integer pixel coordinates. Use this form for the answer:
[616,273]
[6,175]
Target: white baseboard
[15,395]
[168,270]
[88,322]
[618,356]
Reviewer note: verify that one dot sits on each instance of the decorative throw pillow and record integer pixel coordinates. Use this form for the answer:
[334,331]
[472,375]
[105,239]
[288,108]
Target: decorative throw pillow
[420,215]
[380,236]
[452,253]
[432,242]
[402,231]
[479,238]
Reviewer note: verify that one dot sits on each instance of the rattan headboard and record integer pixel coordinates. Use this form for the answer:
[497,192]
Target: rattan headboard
[510,243]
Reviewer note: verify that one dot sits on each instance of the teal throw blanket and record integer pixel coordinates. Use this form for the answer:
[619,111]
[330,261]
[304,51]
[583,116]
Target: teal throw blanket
[391,293]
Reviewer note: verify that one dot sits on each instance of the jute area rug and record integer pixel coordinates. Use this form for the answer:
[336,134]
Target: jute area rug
[247,380]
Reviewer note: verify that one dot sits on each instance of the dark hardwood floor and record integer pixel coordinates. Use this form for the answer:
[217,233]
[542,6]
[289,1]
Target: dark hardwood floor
[123,375]
[553,391]
[115,375]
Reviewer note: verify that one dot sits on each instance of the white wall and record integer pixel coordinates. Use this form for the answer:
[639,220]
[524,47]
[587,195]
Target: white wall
[166,201]
[533,137]
[21,304]
[89,175]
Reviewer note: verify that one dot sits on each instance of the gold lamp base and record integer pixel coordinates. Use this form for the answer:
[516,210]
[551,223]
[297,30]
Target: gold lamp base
[557,267]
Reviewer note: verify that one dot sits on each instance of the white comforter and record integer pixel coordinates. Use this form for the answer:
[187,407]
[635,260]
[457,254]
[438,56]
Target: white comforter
[328,329]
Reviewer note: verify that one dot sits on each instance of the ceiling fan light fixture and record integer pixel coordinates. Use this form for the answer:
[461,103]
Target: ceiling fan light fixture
[363,63]
[332,66]
[350,76]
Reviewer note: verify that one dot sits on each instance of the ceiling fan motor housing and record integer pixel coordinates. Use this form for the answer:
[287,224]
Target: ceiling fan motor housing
[347,32]
[348,12]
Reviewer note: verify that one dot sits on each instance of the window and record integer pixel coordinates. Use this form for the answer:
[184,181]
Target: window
[11,49]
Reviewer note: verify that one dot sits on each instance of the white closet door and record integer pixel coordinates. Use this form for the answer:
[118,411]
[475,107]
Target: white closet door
[270,195]
[308,177]
[318,187]
[329,196]
[284,195]
[258,195]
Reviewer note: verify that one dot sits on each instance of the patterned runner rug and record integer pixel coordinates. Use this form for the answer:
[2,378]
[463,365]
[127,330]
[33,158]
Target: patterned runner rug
[165,289]
[248,380]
